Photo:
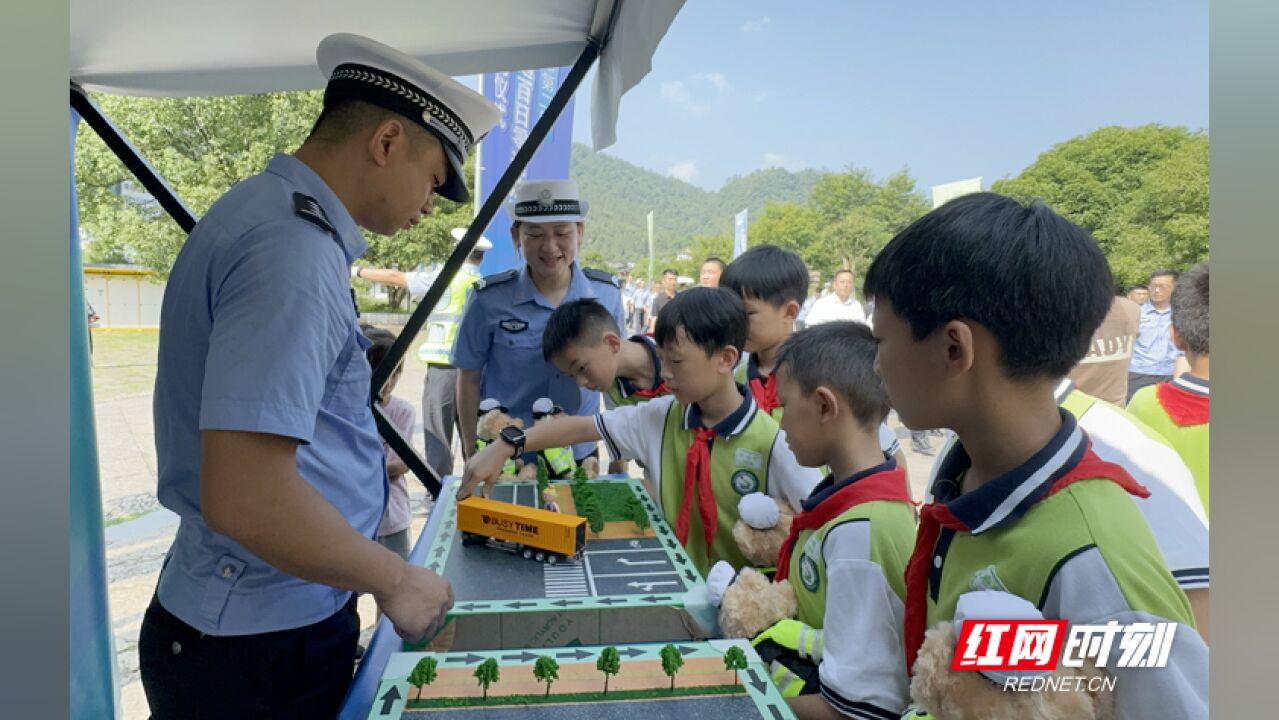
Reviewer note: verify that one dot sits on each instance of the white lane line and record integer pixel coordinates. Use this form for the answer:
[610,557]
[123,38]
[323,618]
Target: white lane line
[627,551]
[643,574]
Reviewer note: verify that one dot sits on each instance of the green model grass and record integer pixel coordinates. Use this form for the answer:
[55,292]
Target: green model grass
[611,497]
[576,697]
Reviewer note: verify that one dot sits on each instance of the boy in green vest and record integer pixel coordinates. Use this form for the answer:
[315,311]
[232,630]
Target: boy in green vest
[847,551]
[773,284]
[705,445]
[1179,409]
[980,307]
[583,341]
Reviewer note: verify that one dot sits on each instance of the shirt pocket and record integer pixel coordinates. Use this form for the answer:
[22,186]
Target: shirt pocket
[520,352]
[350,381]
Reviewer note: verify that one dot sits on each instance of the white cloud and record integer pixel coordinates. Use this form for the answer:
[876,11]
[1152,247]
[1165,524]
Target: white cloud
[717,79]
[685,170]
[750,27]
[776,159]
[676,93]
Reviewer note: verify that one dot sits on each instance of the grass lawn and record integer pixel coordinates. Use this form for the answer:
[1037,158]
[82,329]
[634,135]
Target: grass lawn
[577,697]
[123,362]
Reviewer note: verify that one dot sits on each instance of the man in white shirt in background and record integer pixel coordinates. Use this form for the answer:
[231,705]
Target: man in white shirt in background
[839,305]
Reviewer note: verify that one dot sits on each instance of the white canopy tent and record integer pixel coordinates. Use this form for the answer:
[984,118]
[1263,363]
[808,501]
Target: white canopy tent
[180,48]
[233,47]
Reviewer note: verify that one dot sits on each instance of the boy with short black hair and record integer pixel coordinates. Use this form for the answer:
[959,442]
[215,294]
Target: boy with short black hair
[847,551]
[772,284]
[1179,409]
[583,341]
[706,444]
[981,306]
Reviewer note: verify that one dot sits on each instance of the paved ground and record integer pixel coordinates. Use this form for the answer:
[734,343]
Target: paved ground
[139,531]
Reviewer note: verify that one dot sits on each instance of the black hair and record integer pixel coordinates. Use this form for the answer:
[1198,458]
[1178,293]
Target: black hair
[382,341]
[841,356]
[345,117]
[1165,272]
[768,273]
[1190,309]
[1038,282]
[671,271]
[712,318]
[717,261]
[1138,286]
[578,321]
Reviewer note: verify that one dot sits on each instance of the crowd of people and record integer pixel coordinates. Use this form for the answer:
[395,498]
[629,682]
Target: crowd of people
[1047,501]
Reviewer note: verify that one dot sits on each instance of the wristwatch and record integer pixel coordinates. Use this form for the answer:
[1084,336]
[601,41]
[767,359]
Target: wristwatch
[514,437]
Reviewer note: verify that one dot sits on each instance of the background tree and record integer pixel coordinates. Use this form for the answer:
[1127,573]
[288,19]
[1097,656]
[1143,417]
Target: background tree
[424,673]
[546,670]
[202,146]
[735,660]
[1141,191]
[672,661]
[609,663]
[487,673]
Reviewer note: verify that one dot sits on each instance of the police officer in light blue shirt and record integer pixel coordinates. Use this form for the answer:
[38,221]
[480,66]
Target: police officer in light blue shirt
[1154,356]
[499,345]
[265,437]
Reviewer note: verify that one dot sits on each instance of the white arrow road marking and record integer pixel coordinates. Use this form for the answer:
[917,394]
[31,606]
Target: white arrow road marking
[648,586]
[624,561]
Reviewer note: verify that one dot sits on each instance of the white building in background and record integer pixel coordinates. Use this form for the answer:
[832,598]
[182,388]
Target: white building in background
[125,297]
[949,191]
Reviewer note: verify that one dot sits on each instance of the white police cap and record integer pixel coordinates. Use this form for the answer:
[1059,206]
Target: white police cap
[547,201]
[483,244]
[358,68]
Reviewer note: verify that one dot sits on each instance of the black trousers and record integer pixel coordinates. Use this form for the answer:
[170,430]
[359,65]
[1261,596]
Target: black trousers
[298,673]
[1137,381]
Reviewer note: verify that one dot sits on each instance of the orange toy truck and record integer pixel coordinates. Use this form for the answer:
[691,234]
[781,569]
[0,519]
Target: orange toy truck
[536,534]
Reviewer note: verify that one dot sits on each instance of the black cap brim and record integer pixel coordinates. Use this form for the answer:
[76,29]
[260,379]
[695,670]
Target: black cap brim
[454,187]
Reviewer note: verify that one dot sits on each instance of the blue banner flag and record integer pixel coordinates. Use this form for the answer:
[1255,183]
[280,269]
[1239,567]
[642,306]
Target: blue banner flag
[739,233]
[522,97]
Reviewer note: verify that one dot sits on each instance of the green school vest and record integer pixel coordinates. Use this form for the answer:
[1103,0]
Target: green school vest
[743,379]
[1021,558]
[892,538]
[739,466]
[1190,442]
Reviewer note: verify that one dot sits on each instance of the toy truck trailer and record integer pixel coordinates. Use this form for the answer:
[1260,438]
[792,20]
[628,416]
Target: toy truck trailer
[536,534]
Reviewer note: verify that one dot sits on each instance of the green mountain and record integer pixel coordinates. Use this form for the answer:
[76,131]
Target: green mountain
[621,195]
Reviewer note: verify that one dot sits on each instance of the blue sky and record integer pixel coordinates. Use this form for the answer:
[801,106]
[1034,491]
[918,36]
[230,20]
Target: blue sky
[951,90]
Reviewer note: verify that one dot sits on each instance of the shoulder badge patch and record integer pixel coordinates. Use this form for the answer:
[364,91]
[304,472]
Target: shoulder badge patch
[496,278]
[601,276]
[513,325]
[309,209]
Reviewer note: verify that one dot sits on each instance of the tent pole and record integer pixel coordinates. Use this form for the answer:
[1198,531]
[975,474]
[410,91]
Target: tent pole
[454,263]
[132,159]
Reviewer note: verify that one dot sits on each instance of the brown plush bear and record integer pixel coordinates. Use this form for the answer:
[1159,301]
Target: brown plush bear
[751,603]
[940,693]
[762,527]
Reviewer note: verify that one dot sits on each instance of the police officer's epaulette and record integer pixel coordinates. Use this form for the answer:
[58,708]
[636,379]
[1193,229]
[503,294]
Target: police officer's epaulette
[496,279]
[601,276]
[309,209]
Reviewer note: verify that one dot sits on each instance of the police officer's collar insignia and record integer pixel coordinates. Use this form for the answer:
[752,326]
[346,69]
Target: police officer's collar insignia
[496,279]
[513,325]
[309,209]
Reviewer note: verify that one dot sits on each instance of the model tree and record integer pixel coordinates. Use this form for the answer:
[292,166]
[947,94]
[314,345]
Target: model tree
[546,670]
[487,673]
[423,674]
[595,516]
[636,510]
[609,663]
[735,660]
[672,661]
[580,476]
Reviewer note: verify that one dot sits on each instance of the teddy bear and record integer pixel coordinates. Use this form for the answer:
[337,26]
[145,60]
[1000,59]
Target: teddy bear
[493,418]
[939,693]
[559,462]
[762,526]
[748,602]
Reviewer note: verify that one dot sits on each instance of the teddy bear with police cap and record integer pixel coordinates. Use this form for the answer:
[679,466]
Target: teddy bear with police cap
[494,417]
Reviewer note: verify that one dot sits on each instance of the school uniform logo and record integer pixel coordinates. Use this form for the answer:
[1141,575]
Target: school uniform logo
[808,573]
[987,579]
[744,482]
[513,325]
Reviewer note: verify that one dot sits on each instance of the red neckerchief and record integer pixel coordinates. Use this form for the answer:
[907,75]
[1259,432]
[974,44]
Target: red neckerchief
[935,516]
[765,392]
[697,481]
[885,485]
[1184,407]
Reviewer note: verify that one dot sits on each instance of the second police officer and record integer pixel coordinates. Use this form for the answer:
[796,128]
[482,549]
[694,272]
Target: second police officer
[498,351]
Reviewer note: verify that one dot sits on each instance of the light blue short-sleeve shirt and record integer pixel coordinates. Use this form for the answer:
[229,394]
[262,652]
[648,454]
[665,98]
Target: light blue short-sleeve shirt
[501,336]
[1153,352]
[259,334]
